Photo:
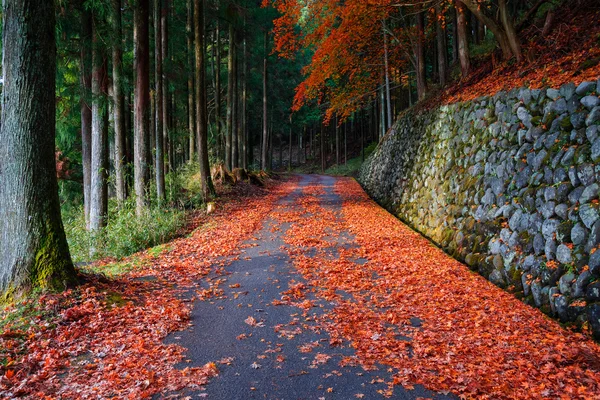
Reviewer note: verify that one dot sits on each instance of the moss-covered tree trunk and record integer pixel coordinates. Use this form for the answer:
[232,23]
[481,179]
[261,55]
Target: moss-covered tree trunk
[33,246]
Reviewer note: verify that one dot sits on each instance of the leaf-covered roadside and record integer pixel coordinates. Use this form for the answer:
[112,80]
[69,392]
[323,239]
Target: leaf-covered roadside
[104,338]
[428,317]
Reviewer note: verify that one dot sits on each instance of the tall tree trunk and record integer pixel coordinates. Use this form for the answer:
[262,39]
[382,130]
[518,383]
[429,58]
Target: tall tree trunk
[265,131]
[463,43]
[191,102]
[455,34]
[32,239]
[440,28]
[338,149]
[159,102]
[118,100]
[201,118]
[164,47]
[218,121]
[387,78]
[141,102]
[420,56]
[509,28]
[244,88]
[230,100]
[86,108]
[235,106]
[99,140]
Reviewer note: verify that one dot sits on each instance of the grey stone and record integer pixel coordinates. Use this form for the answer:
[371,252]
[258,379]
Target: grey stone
[588,214]
[538,244]
[549,228]
[560,175]
[590,102]
[590,193]
[568,157]
[550,193]
[585,173]
[562,210]
[563,255]
[488,198]
[575,194]
[497,279]
[562,305]
[573,176]
[594,237]
[525,283]
[581,284]
[596,150]
[592,133]
[593,316]
[592,293]
[567,91]
[553,293]
[579,234]
[565,282]
[594,263]
[497,186]
[547,209]
[550,249]
[593,117]
[539,159]
[553,94]
[578,120]
[494,246]
[585,88]
[540,294]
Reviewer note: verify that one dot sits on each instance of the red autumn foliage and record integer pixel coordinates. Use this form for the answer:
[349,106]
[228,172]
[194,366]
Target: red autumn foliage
[105,338]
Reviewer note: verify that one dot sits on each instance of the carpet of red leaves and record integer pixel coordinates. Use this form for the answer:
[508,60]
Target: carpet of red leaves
[105,339]
[472,339]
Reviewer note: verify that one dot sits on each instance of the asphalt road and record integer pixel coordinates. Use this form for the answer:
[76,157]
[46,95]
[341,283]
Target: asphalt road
[278,353]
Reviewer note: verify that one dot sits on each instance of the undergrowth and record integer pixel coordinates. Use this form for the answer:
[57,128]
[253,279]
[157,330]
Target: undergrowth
[353,165]
[126,233]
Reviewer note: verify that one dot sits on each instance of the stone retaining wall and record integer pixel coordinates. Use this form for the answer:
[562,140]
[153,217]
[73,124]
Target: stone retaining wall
[508,184]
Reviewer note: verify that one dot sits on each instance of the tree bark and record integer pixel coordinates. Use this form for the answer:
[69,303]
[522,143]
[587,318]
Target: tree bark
[118,99]
[98,206]
[463,44]
[235,105]
[244,128]
[218,121]
[507,44]
[159,155]
[33,247]
[387,79]
[420,56]
[322,138]
[164,47]
[191,101]
[201,118]
[441,46]
[230,100]
[265,131]
[141,102]
[85,63]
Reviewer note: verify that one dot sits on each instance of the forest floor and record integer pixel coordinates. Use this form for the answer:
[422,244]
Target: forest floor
[305,290]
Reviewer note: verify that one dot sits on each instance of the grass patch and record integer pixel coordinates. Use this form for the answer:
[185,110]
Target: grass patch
[124,234]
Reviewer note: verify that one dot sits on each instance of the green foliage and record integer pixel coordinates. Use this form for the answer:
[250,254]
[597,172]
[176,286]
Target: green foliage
[125,233]
[353,165]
